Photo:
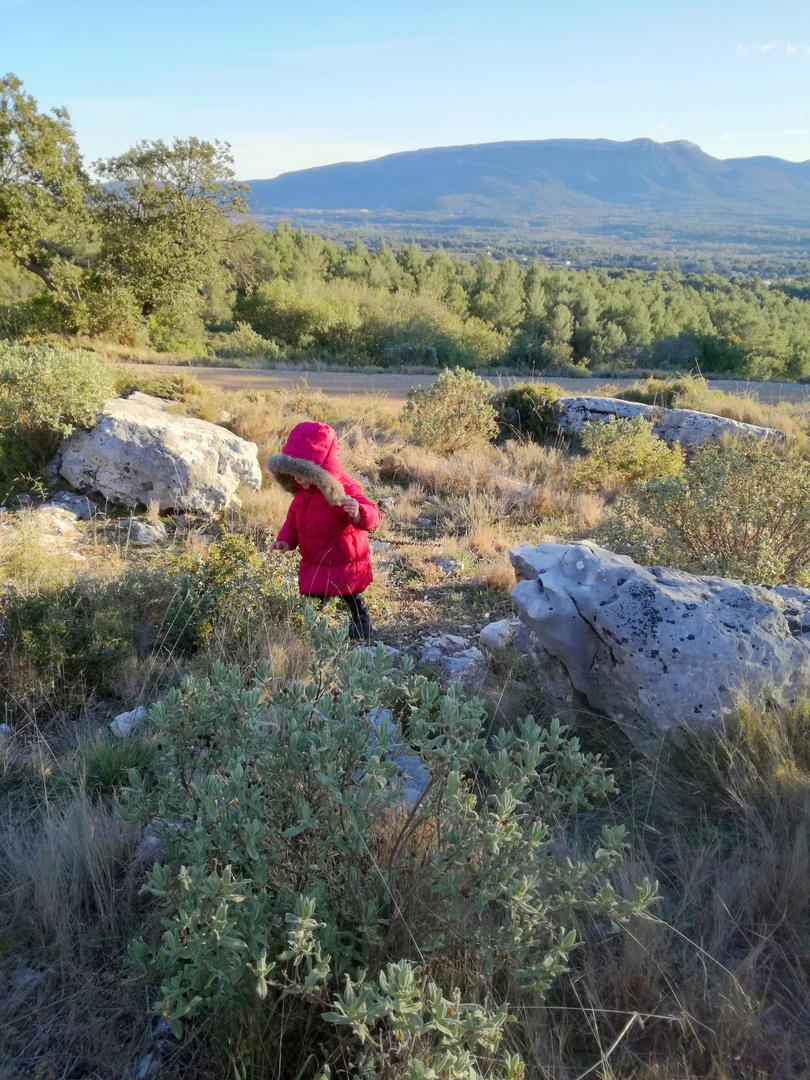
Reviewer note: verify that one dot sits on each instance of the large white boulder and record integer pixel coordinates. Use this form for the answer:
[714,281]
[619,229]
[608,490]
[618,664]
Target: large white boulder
[140,453]
[652,648]
[691,428]
[685,426]
[572,413]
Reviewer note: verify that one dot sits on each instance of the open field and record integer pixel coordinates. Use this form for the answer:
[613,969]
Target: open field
[396,386]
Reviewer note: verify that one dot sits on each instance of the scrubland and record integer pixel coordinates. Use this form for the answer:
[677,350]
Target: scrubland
[259,782]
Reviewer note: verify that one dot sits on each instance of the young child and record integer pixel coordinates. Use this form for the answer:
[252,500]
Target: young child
[329,519]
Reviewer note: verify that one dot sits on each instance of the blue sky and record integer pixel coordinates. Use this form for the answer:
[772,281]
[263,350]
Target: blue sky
[294,85]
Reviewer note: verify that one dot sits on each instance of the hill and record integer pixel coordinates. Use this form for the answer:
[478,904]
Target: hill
[594,185]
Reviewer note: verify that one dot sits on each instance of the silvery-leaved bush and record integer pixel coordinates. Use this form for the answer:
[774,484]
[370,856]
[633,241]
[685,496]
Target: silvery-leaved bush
[300,880]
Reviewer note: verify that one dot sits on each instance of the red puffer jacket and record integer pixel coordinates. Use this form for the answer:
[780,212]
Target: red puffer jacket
[334,549]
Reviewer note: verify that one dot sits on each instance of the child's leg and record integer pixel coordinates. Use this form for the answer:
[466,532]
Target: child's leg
[360,625]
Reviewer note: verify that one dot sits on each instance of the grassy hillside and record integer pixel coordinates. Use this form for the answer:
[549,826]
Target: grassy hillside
[263,782]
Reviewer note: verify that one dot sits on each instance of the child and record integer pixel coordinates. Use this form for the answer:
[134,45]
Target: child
[329,520]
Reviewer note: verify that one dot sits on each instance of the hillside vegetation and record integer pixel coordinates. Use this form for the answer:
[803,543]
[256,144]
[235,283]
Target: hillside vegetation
[236,888]
[155,257]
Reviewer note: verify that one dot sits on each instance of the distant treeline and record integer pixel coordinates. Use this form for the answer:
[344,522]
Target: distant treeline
[156,252]
[308,295]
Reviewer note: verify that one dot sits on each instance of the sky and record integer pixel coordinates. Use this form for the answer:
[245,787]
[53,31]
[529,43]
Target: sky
[300,83]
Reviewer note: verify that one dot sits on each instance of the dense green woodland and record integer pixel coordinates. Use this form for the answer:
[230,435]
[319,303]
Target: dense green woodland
[155,252]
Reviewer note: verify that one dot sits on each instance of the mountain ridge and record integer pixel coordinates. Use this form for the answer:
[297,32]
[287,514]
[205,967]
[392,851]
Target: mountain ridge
[515,181]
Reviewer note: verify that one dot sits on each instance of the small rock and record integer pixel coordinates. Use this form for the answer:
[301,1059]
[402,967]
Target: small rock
[79,506]
[144,534]
[22,501]
[423,521]
[5,731]
[416,776]
[379,547]
[433,500]
[125,722]
[3,510]
[27,977]
[388,502]
[463,664]
[55,518]
[497,635]
[389,650]
[148,1065]
[449,566]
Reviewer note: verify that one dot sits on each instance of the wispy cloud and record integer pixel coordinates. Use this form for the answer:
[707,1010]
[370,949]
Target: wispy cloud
[768,46]
[742,51]
[790,48]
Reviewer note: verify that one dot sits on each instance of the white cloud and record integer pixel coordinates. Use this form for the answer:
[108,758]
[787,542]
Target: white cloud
[767,48]
[742,51]
[790,48]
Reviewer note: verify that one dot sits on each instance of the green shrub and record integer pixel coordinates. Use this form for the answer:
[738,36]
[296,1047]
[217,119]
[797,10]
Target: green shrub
[525,411]
[244,341]
[302,893]
[622,451]
[45,393]
[452,413]
[48,392]
[741,511]
[70,642]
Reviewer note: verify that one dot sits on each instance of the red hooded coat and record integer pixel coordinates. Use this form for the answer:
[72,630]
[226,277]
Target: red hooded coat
[334,550]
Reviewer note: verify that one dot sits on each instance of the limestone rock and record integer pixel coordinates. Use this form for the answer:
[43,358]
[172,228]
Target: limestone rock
[651,648]
[139,453]
[691,428]
[79,506]
[142,533]
[448,566]
[388,502]
[415,776]
[453,655]
[126,722]
[572,413]
[497,635]
[685,426]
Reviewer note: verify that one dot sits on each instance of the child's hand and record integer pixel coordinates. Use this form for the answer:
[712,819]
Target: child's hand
[351,506]
[279,545]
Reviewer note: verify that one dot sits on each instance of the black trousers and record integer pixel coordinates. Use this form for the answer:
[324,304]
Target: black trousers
[359,615]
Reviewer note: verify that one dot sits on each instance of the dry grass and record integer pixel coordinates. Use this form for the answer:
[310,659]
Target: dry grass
[69,897]
[716,985]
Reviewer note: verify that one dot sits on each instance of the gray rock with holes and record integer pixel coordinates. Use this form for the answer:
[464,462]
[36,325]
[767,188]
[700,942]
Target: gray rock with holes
[139,453]
[652,647]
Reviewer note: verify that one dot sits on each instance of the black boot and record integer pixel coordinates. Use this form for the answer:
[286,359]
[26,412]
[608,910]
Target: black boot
[360,628]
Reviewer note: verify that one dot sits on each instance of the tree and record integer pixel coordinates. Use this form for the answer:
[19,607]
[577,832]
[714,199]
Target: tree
[43,187]
[163,215]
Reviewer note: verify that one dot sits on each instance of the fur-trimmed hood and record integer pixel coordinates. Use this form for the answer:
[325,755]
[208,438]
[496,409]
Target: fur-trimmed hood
[311,452]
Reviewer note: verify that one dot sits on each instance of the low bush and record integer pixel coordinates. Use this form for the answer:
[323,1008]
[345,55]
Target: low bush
[453,412]
[68,643]
[45,394]
[325,911]
[244,341]
[739,511]
[623,451]
[525,411]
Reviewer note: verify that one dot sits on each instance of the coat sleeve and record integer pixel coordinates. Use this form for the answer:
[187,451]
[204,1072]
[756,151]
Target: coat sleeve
[288,533]
[369,514]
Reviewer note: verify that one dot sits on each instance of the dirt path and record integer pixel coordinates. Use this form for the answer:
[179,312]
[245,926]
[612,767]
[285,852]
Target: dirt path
[352,384]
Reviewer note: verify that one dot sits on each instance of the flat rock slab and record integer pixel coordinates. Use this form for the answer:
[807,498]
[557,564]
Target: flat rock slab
[652,648]
[139,453]
[685,426]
